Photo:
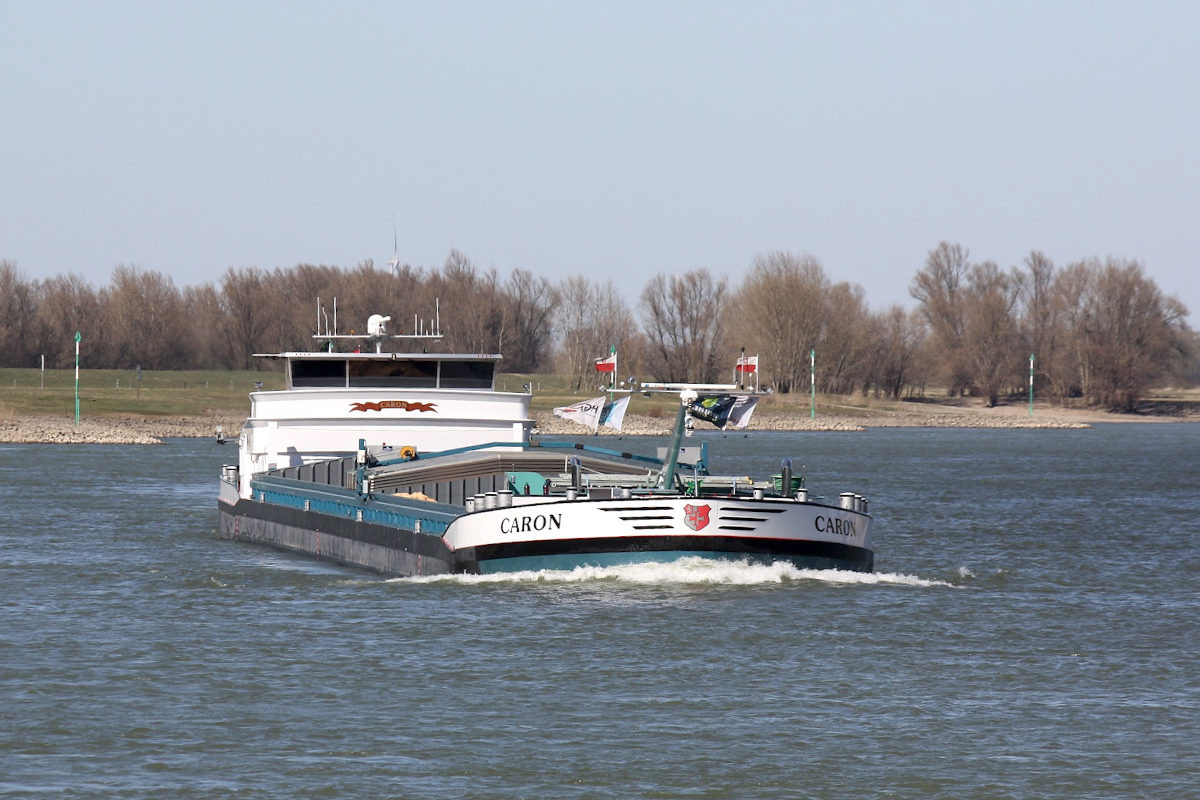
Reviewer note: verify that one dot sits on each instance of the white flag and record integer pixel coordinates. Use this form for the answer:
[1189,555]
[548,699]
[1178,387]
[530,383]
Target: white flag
[614,413]
[585,413]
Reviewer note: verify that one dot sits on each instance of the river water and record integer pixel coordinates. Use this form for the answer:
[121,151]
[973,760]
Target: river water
[1031,631]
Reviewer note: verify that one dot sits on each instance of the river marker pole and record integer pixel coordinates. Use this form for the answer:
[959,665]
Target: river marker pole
[78,338]
[1031,384]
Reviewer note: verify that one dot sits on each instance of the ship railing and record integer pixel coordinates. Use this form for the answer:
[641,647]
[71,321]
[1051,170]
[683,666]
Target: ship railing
[567,481]
[722,484]
[688,456]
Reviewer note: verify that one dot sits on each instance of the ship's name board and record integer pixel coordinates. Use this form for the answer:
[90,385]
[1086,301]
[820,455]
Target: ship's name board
[403,405]
[533,522]
[838,527]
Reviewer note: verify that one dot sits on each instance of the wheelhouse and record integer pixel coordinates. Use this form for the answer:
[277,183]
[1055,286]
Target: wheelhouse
[389,370]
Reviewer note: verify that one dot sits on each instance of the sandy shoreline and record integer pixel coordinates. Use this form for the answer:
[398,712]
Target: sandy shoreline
[152,430]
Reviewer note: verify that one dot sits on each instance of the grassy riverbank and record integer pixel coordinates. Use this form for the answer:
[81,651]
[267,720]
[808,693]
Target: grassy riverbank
[113,392]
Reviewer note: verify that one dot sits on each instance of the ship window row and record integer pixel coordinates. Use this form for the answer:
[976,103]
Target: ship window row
[329,373]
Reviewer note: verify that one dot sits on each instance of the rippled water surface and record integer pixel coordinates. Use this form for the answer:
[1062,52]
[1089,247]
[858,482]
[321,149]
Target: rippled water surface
[1031,631]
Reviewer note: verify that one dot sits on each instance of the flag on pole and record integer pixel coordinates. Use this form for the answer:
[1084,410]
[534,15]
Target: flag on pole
[585,413]
[721,410]
[747,364]
[613,415]
[712,408]
[740,414]
[607,364]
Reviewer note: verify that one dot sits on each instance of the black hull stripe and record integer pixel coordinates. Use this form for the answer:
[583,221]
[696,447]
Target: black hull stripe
[422,544]
[746,545]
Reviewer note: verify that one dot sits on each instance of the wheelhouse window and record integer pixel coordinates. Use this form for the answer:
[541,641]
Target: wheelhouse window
[396,374]
[378,373]
[467,374]
[314,373]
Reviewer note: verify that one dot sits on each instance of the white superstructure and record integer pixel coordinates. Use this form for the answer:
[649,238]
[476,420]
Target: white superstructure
[426,401]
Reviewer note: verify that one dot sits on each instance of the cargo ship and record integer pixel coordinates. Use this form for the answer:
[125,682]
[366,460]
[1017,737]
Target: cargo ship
[414,463]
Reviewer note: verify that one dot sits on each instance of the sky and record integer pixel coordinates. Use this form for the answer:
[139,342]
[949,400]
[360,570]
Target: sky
[614,140]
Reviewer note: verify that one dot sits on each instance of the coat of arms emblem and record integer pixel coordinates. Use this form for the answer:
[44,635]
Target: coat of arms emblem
[695,517]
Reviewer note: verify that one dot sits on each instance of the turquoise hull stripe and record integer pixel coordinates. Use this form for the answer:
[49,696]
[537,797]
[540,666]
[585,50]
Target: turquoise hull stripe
[393,512]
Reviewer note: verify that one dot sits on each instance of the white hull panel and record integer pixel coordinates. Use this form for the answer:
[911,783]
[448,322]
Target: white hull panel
[563,534]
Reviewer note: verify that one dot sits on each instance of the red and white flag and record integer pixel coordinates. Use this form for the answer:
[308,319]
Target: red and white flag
[747,364]
[607,364]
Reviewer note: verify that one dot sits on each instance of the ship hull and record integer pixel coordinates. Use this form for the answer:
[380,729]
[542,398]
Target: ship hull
[566,535]
[378,548]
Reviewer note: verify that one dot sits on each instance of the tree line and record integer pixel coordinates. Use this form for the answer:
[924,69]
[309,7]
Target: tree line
[1100,331]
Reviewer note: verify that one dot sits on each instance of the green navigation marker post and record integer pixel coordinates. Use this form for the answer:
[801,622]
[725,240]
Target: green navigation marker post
[1031,384]
[812,380]
[78,339]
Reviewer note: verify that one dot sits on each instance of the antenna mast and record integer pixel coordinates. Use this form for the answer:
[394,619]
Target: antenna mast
[395,262]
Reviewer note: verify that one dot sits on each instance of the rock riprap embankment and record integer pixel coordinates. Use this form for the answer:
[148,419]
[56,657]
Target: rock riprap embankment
[152,430]
[113,430]
[777,420]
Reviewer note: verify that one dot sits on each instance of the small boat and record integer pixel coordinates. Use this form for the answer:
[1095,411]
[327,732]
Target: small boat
[415,464]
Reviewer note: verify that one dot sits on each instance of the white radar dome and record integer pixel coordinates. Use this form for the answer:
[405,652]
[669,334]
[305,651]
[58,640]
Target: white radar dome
[377,325]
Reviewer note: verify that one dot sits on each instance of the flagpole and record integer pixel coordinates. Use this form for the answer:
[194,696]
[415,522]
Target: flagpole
[612,379]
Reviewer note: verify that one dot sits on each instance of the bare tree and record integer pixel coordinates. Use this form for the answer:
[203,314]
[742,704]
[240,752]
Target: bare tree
[205,323]
[1187,366]
[1129,333]
[899,337]
[990,341]
[18,304]
[295,294]
[846,345]
[780,310]
[939,289]
[366,290]
[683,317]
[145,321]
[590,320]
[1039,317]
[66,304]
[616,327]
[246,313]
[531,304]
[473,313]
[576,339]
